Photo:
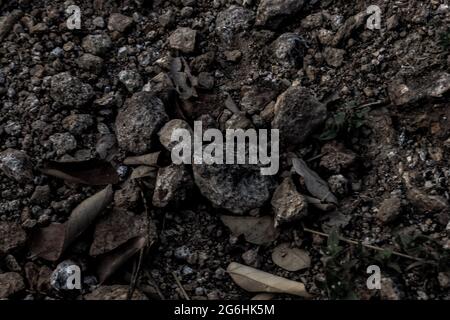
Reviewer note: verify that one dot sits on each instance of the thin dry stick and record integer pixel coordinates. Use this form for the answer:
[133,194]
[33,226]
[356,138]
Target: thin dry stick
[364,245]
[180,286]
[135,275]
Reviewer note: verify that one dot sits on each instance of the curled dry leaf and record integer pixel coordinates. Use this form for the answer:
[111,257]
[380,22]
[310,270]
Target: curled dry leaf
[50,242]
[290,259]
[90,172]
[150,159]
[256,230]
[315,184]
[143,172]
[263,296]
[110,262]
[254,280]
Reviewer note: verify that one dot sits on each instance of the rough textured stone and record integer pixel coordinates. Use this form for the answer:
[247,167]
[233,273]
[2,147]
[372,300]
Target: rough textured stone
[183,39]
[389,209]
[78,123]
[237,188]
[231,21]
[69,90]
[271,13]
[137,122]
[289,205]
[297,115]
[165,134]
[63,143]
[97,44]
[254,99]
[114,292]
[119,22]
[131,79]
[90,62]
[16,165]
[12,236]
[173,185]
[334,57]
[288,50]
[10,283]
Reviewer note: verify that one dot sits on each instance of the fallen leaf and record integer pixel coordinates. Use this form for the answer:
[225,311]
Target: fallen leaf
[254,280]
[290,259]
[256,230]
[91,172]
[112,261]
[143,172]
[50,242]
[315,184]
[263,296]
[150,159]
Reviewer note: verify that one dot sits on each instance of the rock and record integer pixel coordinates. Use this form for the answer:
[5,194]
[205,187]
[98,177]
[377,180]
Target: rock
[116,228]
[97,44]
[444,279]
[389,290]
[408,91]
[165,134]
[426,203]
[325,36]
[137,122]
[7,21]
[338,185]
[182,253]
[99,22]
[91,63]
[16,165]
[233,55]
[69,90]
[289,50]
[205,80]
[271,13]
[129,196]
[119,22]
[336,157]
[392,22]
[288,204]
[183,39]
[238,121]
[167,19]
[389,209]
[334,57]
[114,292]
[297,114]
[13,237]
[251,258]
[41,195]
[131,79]
[10,283]
[173,185]
[62,275]
[77,123]
[313,21]
[63,143]
[237,188]
[346,30]
[231,21]
[254,98]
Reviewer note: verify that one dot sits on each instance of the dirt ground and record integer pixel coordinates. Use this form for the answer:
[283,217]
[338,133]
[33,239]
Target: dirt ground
[366,107]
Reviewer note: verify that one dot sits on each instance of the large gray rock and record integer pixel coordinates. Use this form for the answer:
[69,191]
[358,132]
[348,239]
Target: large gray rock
[69,90]
[138,121]
[97,44]
[297,114]
[16,165]
[271,13]
[237,188]
[231,21]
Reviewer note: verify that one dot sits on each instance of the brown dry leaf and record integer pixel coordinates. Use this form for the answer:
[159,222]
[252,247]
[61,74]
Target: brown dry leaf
[91,172]
[263,297]
[315,184]
[50,242]
[254,280]
[290,259]
[110,262]
[143,172]
[150,159]
[256,230]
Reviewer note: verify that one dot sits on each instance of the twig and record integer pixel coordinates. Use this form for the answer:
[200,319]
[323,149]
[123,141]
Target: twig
[135,275]
[317,157]
[371,104]
[153,283]
[180,286]
[396,253]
